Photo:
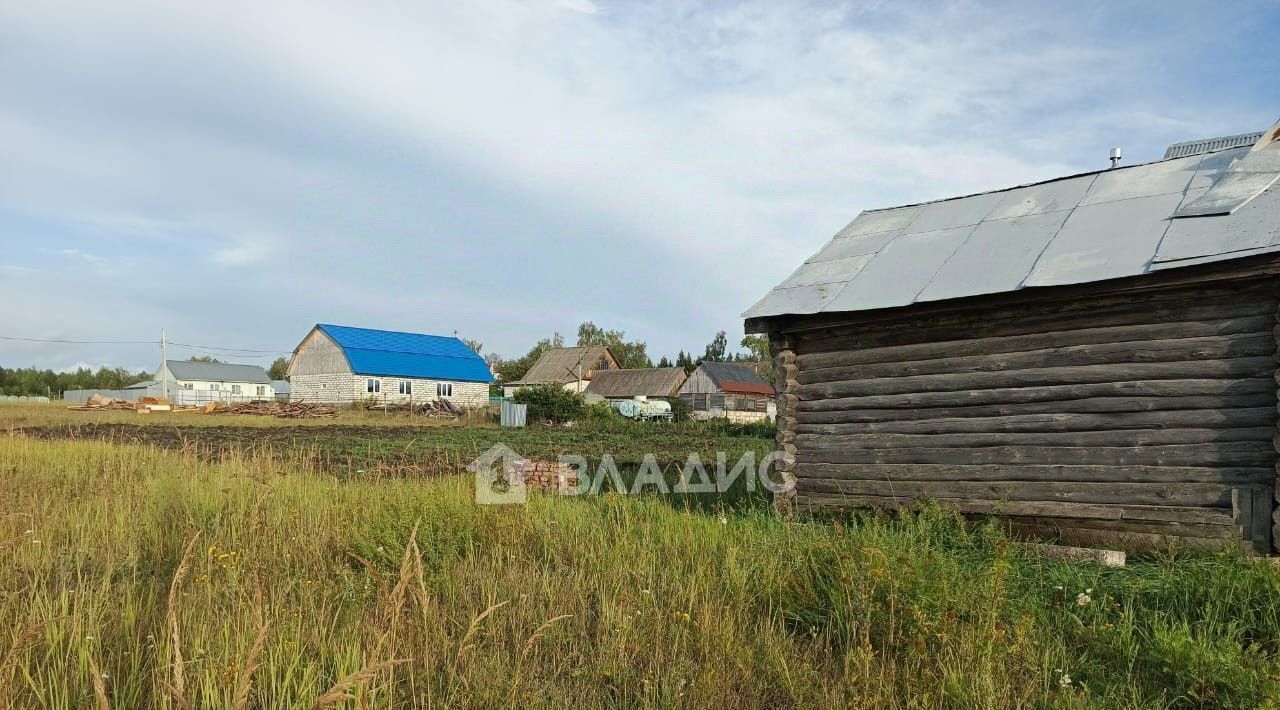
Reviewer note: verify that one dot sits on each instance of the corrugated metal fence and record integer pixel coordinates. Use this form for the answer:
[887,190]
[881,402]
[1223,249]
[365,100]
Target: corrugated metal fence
[513,415]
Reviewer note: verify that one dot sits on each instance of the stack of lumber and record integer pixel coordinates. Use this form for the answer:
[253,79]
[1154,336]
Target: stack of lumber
[432,408]
[291,410]
[98,403]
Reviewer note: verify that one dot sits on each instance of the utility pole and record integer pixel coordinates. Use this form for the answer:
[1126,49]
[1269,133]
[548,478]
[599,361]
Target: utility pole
[164,365]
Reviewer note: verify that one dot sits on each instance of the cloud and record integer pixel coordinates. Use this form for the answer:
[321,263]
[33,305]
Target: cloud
[244,253]
[586,7]
[508,169]
[78,255]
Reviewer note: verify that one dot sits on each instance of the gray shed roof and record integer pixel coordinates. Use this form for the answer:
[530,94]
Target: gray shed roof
[218,372]
[564,365]
[647,382]
[1091,227]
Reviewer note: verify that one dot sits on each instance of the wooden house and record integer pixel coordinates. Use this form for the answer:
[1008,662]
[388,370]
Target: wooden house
[571,368]
[342,364]
[728,390]
[1092,357]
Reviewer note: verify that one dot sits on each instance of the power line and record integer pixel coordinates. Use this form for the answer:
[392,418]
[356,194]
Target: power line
[82,342]
[224,350]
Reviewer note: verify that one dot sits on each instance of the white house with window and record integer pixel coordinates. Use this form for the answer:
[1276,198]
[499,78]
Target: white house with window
[202,382]
[341,364]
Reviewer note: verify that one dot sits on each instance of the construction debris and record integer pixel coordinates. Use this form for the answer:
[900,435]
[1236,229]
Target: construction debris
[430,408]
[281,410]
[99,403]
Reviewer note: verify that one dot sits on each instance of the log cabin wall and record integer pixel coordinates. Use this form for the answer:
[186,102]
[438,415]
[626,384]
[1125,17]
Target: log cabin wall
[1130,417]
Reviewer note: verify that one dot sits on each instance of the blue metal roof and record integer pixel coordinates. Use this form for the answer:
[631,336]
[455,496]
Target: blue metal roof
[393,354]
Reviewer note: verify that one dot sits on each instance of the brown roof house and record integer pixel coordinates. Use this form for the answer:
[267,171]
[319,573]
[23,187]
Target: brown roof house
[1091,358]
[729,390]
[650,382]
[571,368]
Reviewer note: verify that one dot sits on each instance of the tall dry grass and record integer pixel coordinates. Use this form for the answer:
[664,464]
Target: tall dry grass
[140,578]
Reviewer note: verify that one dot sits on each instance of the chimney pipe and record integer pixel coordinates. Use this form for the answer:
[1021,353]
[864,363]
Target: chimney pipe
[1115,156]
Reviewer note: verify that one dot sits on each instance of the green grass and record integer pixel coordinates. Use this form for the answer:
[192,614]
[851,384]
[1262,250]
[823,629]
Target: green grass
[298,579]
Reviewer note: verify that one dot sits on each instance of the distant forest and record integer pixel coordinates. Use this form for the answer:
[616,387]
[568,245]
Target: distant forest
[30,381]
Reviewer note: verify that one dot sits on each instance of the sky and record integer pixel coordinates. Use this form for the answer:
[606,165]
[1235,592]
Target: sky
[236,172]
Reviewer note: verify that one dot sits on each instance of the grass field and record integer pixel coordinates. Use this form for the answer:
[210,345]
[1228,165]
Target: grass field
[153,575]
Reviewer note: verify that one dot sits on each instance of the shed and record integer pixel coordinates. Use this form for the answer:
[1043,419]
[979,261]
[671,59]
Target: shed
[655,382]
[571,368]
[1090,357]
[729,390]
[344,364]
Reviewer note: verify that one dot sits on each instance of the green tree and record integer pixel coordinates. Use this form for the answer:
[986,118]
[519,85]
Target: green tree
[664,362]
[717,348]
[203,358]
[476,346]
[512,370]
[629,354]
[279,368]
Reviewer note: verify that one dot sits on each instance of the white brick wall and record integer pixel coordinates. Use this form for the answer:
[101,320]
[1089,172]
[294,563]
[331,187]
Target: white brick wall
[346,388]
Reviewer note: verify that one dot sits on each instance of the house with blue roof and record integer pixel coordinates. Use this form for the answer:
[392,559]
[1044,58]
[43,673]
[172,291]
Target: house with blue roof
[340,364]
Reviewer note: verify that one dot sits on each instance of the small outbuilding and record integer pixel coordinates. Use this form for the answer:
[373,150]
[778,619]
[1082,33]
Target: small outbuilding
[340,364]
[648,383]
[728,390]
[570,368]
[1090,357]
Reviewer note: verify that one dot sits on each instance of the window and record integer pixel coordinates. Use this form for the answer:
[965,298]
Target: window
[406,387]
[373,386]
[261,390]
[235,389]
[215,386]
[444,389]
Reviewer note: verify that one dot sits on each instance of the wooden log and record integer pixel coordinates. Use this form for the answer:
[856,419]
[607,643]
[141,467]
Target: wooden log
[832,423]
[1239,368]
[1037,472]
[1228,454]
[1185,350]
[1207,495]
[1077,555]
[1221,387]
[1161,527]
[1136,515]
[907,330]
[1136,540]
[1123,437]
[825,411]
[854,355]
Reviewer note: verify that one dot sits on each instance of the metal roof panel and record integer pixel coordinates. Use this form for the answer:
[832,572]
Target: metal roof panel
[1038,199]
[1154,179]
[1254,226]
[873,221]
[898,272]
[996,257]
[1105,241]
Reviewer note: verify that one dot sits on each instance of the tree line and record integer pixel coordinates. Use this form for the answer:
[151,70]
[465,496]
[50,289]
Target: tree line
[32,381]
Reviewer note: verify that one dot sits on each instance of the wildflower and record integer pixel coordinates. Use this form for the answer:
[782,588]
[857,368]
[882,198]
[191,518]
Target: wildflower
[106,677]
[724,520]
[1083,598]
[1064,681]
[1058,587]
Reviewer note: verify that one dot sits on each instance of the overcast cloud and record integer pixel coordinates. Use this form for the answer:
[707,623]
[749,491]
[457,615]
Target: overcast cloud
[236,172]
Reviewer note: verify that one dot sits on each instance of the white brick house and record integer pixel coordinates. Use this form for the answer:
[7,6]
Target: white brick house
[340,364]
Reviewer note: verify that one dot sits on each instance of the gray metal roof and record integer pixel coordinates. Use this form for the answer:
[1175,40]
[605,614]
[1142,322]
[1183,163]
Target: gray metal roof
[217,372]
[1109,224]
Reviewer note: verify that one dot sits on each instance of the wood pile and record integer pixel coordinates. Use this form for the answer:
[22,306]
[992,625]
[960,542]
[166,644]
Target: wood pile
[432,408]
[281,410]
[99,403]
